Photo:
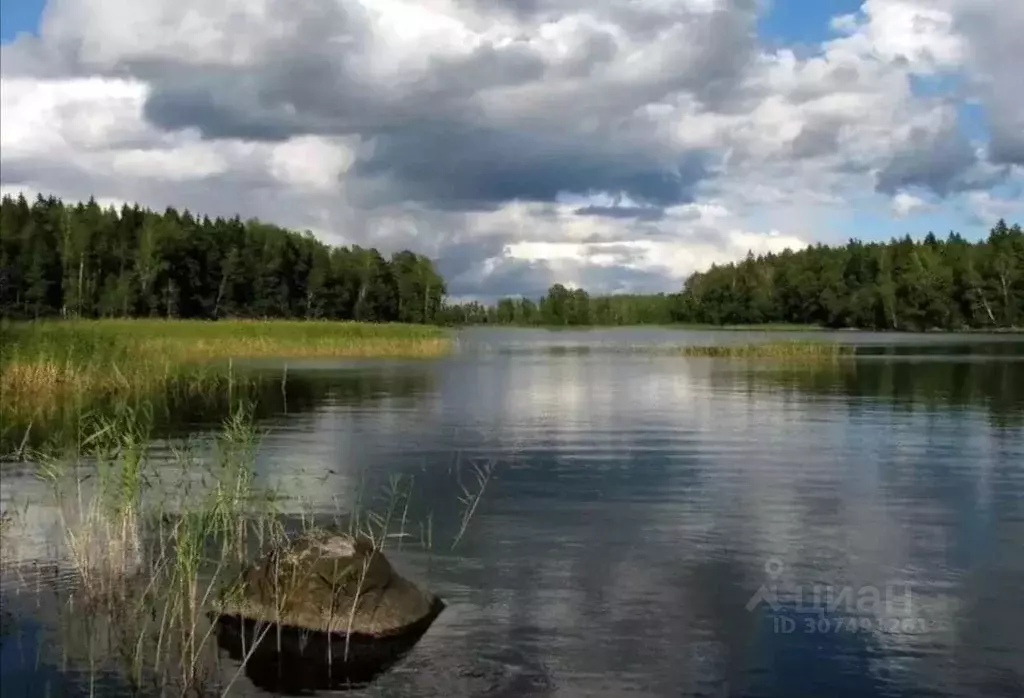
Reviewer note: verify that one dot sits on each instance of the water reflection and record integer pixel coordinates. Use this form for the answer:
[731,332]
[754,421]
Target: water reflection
[296,662]
[637,500]
[276,390]
[990,384]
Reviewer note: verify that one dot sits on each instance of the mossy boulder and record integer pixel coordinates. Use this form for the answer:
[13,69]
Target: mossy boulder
[333,583]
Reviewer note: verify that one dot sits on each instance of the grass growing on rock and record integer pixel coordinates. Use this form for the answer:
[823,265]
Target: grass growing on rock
[51,371]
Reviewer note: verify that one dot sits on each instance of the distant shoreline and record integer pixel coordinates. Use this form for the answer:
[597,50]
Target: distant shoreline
[744,328]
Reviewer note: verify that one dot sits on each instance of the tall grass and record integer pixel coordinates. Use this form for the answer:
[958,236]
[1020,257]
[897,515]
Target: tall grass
[155,546]
[145,568]
[771,350]
[52,372]
[752,327]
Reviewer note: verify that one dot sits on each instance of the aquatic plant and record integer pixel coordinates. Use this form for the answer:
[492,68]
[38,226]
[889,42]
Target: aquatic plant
[54,372]
[771,350]
[155,543]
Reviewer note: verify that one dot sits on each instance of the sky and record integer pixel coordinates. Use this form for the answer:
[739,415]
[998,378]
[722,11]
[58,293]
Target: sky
[618,146]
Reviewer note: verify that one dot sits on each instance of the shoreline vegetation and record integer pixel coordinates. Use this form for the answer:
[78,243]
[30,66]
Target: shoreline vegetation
[796,350]
[151,546]
[54,373]
[759,327]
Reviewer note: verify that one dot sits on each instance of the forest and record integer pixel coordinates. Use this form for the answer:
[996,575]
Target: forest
[903,284]
[82,260]
[85,261]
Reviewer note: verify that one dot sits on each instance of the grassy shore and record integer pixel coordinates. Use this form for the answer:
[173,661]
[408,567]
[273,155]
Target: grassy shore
[53,370]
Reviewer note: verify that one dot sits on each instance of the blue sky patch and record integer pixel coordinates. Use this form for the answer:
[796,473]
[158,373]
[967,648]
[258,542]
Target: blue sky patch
[802,21]
[17,16]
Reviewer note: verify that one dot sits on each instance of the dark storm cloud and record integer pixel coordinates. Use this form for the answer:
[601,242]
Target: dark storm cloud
[442,135]
[180,106]
[430,146]
[479,167]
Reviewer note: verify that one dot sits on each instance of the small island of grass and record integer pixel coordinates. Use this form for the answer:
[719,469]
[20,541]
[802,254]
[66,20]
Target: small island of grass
[771,350]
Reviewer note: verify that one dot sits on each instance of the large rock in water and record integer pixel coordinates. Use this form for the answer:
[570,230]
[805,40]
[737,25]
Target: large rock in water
[342,614]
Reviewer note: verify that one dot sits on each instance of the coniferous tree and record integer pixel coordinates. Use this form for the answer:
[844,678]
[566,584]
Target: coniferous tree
[85,261]
[903,284]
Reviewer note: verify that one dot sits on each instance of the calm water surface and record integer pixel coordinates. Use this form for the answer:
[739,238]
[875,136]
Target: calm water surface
[661,526]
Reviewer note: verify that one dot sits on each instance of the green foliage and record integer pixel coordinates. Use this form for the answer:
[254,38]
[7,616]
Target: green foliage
[947,284]
[900,285]
[83,261]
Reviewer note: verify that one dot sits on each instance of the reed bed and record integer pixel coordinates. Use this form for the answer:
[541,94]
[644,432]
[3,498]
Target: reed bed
[789,349]
[797,350]
[150,560]
[51,371]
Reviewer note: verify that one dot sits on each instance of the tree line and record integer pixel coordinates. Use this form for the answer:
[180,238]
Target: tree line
[568,307]
[83,260]
[902,284]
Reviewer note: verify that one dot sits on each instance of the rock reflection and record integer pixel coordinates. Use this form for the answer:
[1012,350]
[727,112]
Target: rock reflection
[285,660]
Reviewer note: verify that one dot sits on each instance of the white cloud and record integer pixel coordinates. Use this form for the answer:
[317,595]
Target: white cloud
[70,116]
[311,162]
[621,144]
[989,208]
[904,204]
[920,32]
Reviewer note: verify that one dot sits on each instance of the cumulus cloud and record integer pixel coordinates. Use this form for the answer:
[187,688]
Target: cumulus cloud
[904,204]
[993,52]
[520,142]
[987,208]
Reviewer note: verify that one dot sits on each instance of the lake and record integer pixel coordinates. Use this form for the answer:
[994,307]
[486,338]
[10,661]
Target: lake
[651,525]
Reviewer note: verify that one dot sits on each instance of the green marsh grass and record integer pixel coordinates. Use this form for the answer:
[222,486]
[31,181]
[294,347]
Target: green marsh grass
[795,350]
[53,372]
[785,349]
[754,327]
